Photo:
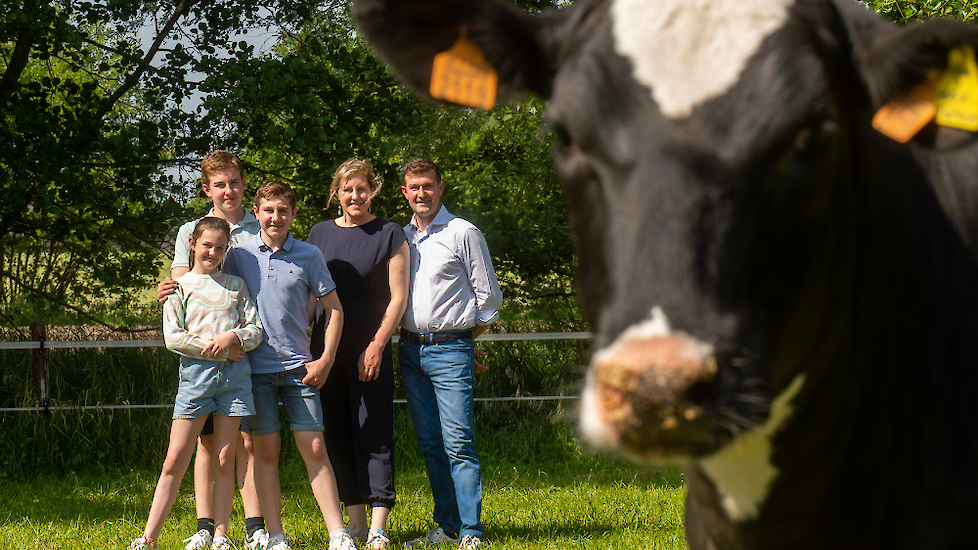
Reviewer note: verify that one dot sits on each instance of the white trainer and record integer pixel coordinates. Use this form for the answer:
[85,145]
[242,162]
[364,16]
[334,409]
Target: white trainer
[277,542]
[258,540]
[342,541]
[201,540]
[378,541]
[141,544]
[434,537]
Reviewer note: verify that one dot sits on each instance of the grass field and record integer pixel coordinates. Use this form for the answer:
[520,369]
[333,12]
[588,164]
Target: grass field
[91,486]
[588,502]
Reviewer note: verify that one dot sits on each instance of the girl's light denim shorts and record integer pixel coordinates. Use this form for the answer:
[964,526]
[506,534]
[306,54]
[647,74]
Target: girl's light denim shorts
[218,387]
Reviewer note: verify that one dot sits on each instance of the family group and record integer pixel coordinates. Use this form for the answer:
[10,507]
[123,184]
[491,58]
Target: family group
[238,304]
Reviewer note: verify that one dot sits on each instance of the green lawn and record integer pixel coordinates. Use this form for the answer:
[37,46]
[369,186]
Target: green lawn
[541,489]
[591,502]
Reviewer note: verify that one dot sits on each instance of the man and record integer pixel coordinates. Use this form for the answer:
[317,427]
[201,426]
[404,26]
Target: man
[453,297]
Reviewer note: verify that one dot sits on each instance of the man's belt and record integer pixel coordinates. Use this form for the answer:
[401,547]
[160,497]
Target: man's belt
[429,338]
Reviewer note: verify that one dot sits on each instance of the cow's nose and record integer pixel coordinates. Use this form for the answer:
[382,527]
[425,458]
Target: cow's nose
[650,394]
[675,373]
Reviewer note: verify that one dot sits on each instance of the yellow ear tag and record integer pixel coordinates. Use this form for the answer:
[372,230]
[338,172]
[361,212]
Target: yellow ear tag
[462,75]
[957,92]
[904,116]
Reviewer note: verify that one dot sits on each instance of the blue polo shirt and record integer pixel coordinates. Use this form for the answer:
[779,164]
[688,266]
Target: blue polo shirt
[281,283]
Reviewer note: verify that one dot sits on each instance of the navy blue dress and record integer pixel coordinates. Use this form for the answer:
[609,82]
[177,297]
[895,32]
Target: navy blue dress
[359,416]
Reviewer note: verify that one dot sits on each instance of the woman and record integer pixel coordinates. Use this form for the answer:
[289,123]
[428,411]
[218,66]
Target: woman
[368,259]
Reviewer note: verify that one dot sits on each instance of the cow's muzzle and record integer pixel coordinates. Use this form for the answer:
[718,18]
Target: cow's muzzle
[647,395]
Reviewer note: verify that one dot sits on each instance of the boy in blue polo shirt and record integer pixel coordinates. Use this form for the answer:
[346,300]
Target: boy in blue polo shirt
[282,273]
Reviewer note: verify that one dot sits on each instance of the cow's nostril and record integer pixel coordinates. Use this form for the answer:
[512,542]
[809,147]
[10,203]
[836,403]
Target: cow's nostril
[701,392]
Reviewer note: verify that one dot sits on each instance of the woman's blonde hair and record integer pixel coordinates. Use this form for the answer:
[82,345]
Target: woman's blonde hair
[350,168]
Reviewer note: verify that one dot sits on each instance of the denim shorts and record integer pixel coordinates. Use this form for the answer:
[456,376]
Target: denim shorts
[302,403]
[218,387]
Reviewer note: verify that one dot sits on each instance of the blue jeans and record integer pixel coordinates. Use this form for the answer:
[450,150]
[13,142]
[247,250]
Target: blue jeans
[438,381]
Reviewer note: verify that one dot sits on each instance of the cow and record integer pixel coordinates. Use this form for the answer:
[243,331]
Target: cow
[784,297]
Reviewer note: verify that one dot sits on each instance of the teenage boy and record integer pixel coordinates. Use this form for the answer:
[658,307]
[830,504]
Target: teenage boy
[223,181]
[282,272]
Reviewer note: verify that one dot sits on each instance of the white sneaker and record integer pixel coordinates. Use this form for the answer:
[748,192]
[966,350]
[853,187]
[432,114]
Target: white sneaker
[342,542]
[378,541]
[140,544]
[470,542]
[277,542]
[221,543]
[201,540]
[258,540]
[433,537]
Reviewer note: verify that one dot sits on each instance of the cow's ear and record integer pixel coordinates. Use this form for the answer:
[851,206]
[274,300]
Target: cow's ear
[922,83]
[476,41]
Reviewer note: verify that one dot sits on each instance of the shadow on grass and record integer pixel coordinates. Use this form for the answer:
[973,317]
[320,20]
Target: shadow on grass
[568,529]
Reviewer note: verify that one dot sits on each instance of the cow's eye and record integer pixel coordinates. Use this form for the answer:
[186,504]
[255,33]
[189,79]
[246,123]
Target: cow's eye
[814,138]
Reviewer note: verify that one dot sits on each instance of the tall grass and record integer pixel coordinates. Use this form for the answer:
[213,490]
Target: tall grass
[96,440]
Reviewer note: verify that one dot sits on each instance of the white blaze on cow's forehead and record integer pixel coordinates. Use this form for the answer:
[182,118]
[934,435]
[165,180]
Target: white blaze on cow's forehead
[690,51]
[742,471]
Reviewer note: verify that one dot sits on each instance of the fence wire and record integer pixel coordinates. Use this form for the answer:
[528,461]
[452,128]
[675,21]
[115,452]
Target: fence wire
[502,337]
[53,344]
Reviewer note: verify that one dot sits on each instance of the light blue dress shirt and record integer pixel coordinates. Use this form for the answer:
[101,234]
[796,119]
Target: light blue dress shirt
[453,284]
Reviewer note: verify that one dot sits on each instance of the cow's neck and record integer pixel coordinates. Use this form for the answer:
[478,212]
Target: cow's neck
[871,328]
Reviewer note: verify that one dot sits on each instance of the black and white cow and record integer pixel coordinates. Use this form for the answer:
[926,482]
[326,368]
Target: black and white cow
[785,300]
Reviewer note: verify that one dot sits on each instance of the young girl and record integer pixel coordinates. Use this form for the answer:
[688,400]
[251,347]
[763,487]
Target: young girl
[211,320]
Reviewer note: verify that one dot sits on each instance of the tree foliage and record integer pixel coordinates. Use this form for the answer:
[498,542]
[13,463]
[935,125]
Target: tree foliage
[79,201]
[92,97]
[325,97]
[108,105]
[912,11]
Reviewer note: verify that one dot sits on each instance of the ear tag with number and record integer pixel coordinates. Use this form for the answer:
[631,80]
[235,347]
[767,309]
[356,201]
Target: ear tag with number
[904,116]
[957,92]
[462,75]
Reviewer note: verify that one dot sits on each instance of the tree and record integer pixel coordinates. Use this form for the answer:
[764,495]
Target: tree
[911,11]
[89,119]
[320,98]
[324,97]
[98,118]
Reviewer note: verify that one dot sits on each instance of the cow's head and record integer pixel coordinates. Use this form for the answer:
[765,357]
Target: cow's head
[711,153]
